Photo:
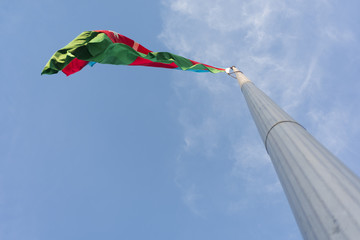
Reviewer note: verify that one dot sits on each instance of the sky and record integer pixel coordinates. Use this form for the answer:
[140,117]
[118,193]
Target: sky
[120,152]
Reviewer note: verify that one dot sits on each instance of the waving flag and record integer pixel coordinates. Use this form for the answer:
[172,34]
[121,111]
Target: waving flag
[109,47]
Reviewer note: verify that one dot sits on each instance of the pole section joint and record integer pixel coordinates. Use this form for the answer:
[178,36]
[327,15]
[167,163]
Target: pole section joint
[267,134]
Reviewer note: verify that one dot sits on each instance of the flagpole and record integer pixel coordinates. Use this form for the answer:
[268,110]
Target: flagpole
[324,194]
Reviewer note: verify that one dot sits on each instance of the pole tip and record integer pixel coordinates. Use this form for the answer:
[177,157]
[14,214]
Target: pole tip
[232,71]
[239,75]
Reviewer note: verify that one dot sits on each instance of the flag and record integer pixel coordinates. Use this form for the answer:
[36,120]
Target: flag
[109,47]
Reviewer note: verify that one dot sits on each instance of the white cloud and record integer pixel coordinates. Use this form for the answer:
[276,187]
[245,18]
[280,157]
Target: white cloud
[339,35]
[282,47]
[249,157]
[332,127]
[190,198]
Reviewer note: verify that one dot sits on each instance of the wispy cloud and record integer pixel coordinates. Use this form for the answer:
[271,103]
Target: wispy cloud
[282,46]
[190,198]
[332,127]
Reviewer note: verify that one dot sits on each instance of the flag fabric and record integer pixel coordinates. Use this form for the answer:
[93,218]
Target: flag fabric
[109,47]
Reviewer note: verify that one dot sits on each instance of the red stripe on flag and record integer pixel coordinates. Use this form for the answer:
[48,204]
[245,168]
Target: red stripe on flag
[74,66]
[118,38]
[145,62]
[143,49]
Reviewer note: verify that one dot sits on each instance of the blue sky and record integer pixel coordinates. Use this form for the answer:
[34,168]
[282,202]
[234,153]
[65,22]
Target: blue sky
[117,152]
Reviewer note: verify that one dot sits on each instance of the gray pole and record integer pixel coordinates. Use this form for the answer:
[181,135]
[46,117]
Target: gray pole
[324,194]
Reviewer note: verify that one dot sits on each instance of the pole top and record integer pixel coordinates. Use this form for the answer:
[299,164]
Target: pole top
[239,75]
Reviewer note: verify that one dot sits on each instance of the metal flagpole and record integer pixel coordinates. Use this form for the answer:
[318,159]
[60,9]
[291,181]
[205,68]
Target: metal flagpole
[324,194]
